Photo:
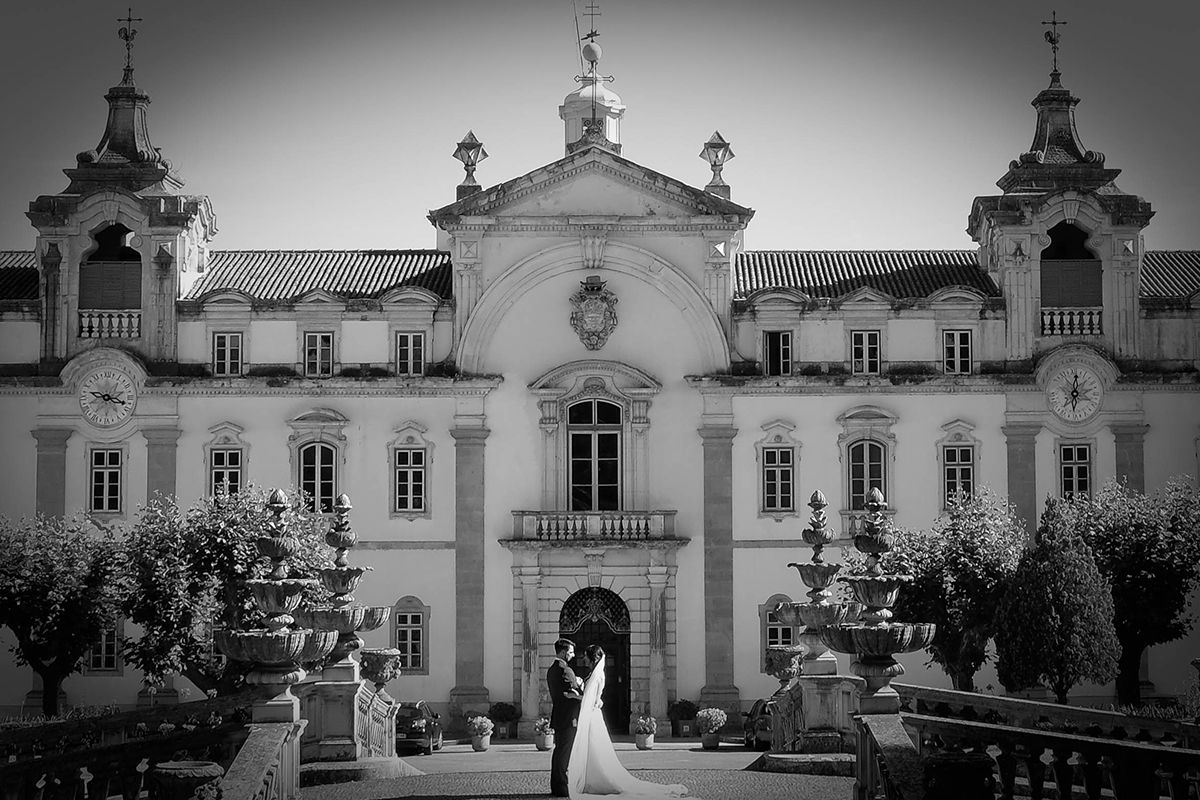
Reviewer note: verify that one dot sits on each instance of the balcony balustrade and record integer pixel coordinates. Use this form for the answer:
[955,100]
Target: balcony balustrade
[1083,321]
[110,324]
[584,526]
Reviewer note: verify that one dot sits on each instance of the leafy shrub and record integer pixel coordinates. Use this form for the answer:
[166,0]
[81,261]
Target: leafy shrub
[504,712]
[682,709]
[710,720]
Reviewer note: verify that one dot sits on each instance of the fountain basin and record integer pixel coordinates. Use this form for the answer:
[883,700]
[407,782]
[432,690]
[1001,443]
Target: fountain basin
[788,613]
[275,596]
[817,575]
[875,543]
[344,619]
[278,548]
[878,640]
[318,645]
[815,538]
[262,647]
[342,580]
[876,591]
[376,616]
[819,615]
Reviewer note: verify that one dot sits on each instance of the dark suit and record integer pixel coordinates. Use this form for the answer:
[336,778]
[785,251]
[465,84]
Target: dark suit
[564,698]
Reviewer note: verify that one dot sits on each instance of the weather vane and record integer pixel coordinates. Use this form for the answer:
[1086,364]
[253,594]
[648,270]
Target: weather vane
[127,35]
[591,10]
[1053,36]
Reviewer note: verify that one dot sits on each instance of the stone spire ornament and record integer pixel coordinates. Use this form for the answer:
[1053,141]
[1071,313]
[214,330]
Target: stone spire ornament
[592,114]
[127,35]
[716,152]
[470,152]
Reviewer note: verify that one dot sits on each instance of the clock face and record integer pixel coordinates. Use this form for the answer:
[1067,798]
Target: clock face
[107,397]
[1074,393]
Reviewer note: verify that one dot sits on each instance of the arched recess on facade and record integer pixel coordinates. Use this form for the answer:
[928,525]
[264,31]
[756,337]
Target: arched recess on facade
[595,615]
[619,257]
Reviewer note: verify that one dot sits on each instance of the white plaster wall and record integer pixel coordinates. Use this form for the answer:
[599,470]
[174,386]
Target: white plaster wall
[1173,438]
[20,342]
[364,342]
[193,345]
[821,340]
[911,340]
[272,342]
[18,470]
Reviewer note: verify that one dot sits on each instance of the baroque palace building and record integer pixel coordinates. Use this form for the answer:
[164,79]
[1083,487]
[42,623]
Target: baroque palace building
[590,411]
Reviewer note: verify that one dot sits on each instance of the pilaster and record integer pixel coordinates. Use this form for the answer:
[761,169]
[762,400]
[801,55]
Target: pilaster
[469,692]
[1022,472]
[1130,439]
[161,452]
[658,577]
[1123,313]
[528,580]
[1020,312]
[719,689]
[468,282]
[51,491]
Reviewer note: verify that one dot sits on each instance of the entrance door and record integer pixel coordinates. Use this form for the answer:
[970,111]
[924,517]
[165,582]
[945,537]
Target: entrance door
[599,616]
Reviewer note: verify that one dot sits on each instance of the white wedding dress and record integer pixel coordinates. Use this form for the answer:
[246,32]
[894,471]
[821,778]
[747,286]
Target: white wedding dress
[593,769]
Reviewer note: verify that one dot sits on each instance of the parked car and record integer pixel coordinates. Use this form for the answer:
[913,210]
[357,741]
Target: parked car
[756,730]
[418,727]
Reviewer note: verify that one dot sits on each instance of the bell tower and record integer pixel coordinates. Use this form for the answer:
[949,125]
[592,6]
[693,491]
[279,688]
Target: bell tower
[592,113]
[121,243]
[1063,241]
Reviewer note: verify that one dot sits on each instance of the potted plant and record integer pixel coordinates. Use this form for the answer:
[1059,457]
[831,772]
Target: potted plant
[683,717]
[643,731]
[543,734]
[505,715]
[480,728]
[709,722]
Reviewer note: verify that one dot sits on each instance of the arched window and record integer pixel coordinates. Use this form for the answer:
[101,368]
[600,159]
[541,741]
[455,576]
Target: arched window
[318,475]
[772,631]
[1070,272]
[410,634]
[594,454]
[110,277]
[867,471]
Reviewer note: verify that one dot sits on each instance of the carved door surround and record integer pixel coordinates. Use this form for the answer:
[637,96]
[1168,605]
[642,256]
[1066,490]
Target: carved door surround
[616,382]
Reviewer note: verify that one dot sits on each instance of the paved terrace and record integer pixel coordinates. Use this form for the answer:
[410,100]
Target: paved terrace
[517,770]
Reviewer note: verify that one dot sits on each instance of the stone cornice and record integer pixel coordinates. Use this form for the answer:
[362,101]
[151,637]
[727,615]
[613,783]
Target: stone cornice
[279,387]
[804,385]
[572,227]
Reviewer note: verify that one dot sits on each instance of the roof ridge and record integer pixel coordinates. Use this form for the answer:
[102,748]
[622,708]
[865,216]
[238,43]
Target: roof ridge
[868,250]
[397,250]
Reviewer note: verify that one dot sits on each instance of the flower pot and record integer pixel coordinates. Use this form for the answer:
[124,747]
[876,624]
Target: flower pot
[710,741]
[543,741]
[480,743]
[644,741]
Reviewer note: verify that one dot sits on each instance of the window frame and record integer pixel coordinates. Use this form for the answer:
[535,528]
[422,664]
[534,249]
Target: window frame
[954,364]
[408,605]
[89,667]
[865,444]
[214,468]
[866,334]
[228,368]
[422,495]
[411,367]
[595,431]
[765,611]
[1087,465]
[308,347]
[318,503]
[784,475]
[118,470]
[785,357]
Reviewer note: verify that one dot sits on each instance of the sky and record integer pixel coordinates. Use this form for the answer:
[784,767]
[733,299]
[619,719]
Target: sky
[856,124]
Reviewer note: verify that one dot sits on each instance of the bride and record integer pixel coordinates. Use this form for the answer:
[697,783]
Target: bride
[593,769]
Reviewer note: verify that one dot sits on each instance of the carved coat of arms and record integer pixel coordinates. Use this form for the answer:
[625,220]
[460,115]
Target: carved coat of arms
[594,314]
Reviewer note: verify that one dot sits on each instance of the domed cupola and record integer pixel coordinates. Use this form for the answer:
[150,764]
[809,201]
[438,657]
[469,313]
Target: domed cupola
[592,113]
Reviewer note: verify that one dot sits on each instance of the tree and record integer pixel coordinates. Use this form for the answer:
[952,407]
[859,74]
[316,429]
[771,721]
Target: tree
[1054,625]
[1149,549]
[61,583]
[961,568]
[188,572]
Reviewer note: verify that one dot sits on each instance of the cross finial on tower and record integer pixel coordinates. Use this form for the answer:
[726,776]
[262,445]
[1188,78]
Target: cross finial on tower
[592,11]
[1053,37]
[127,34]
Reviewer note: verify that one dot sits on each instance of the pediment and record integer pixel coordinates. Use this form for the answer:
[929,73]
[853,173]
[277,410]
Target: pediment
[319,297]
[591,183]
[777,296]
[956,294]
[865,296]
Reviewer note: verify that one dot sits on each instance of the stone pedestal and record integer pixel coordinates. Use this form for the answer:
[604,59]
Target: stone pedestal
[828,704]
[283,707]
[329,707]
[184,780]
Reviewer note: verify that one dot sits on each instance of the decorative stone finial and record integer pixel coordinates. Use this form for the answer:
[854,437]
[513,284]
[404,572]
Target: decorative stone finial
[716,152]
[470,152]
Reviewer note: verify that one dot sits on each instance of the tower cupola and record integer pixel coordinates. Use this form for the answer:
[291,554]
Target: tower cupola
[592,113]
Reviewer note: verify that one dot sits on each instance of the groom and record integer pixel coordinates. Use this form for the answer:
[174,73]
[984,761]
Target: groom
[564,697]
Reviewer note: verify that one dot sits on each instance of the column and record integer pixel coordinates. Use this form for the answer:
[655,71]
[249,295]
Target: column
[528,579]
[161,447]
[1022,472]
[658,577]
[719,689]
[469,692]
[51,477]
[1131,452]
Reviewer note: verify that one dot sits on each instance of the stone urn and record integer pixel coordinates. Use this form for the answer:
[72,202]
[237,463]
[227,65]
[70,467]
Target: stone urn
[481,743]
[644,741]
[544,741]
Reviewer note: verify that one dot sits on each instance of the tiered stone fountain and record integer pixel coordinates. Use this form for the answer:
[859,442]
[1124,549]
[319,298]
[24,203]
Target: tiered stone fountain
[875,639]
[331,705]
[278,649]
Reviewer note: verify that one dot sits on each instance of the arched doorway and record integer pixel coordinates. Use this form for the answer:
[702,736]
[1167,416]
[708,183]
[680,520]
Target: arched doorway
[599,616]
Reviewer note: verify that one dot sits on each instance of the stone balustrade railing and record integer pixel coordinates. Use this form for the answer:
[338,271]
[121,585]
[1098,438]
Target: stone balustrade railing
[593,525]
[1027,760]
[268,765]
[1082,321]
[375,724]
[110,324]
[1029,714]
[887,763]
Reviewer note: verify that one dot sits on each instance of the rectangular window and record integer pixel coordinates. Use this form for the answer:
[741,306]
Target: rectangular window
[410,639]
[777,477]
[959,465]
[866,472]
[410,480]
[410,354]
[318,355]
[777,352]
[778,634]
[956,352]
[103,655]
[225,470]
[106,481]
[1075,463]
[227,354]
[864,352]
